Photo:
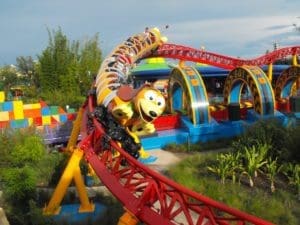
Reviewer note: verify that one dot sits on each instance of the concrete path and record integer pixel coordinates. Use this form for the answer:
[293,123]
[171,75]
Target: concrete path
[165,159]
[3,220]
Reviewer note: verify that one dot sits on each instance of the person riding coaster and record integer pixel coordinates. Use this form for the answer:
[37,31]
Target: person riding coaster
[139,108]
[135,110]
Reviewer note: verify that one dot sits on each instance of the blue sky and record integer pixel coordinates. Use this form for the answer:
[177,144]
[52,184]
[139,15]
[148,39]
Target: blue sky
[230,27]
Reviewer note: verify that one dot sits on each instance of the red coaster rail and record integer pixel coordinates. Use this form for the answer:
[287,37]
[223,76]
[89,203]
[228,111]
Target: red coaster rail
[149,196]
[184,53]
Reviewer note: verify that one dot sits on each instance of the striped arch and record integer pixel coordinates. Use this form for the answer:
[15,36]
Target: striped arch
[257,81]
[286,82]
[187,91]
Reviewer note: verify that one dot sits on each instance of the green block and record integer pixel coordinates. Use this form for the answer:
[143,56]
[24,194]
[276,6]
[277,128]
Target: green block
[53,110]
[71,110]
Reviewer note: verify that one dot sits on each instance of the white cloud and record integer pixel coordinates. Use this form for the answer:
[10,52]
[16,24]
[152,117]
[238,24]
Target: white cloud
[246,36]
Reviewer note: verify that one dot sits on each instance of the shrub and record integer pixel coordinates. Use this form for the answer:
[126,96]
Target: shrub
[270,132]
[282,207]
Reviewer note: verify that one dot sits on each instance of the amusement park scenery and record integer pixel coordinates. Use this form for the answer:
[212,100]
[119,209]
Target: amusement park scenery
[160,113]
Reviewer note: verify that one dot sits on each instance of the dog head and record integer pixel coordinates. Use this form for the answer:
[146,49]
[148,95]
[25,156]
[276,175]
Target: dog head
[149,103]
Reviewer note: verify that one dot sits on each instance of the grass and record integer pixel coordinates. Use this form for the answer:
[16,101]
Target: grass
[282,206]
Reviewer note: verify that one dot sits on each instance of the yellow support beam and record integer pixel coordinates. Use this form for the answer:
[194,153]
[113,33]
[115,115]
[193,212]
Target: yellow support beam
[295,60]
[75,130]
[181,63]
[85,205]
[270,72]
[71,171]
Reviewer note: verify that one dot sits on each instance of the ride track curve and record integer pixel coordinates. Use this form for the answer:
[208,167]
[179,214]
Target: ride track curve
[148,196]
[185,53]
[145,194]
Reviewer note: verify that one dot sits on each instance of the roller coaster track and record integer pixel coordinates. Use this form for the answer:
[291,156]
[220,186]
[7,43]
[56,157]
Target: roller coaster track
[145,194]
[149,196]
[197,55]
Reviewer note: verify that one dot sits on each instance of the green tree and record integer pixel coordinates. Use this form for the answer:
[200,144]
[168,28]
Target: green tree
[66,69]
[25,65]
[8,77]
[89,63]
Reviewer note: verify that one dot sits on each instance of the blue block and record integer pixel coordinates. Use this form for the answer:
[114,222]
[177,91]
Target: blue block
[21,123]
[63,118]
[7,106]
[70,214]
[46,111]
[162,138]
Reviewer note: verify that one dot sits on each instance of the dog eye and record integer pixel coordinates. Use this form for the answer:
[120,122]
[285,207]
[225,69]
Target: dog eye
[150,95]
[160,101]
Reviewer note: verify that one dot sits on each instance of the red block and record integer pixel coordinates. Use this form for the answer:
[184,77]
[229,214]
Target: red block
[283,105]
[166,122]
[243,112]
[38,121]
[71,116]
[4,124]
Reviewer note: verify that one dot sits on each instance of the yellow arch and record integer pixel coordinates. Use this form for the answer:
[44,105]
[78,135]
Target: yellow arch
[259,85]
[286,81]
[192,90]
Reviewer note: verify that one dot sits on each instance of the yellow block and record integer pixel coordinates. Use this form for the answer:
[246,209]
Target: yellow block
[46,120]
[30,121]
[2,96]
[32,106]
[156,60]
[4,116]
[18,110]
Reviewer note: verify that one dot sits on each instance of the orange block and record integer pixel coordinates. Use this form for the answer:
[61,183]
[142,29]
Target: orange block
[11,115]
[32,113]
[61,110]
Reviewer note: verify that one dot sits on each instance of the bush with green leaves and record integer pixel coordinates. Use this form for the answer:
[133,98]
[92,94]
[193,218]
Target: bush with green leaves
[228,165]
[292,171]
[272,168]
[283,140]
[254,158]
[26,163]
[279,207]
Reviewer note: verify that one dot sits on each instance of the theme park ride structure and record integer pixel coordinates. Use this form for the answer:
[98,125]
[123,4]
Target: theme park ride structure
[111,149]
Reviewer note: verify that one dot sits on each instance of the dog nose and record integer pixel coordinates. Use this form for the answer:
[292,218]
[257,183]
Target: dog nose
[153,114]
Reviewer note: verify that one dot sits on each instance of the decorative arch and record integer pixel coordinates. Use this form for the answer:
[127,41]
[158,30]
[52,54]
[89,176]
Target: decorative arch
[286,82]
[186,91]
[258,83]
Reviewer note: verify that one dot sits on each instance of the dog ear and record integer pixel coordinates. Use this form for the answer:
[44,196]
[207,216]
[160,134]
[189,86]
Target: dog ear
[126,93]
